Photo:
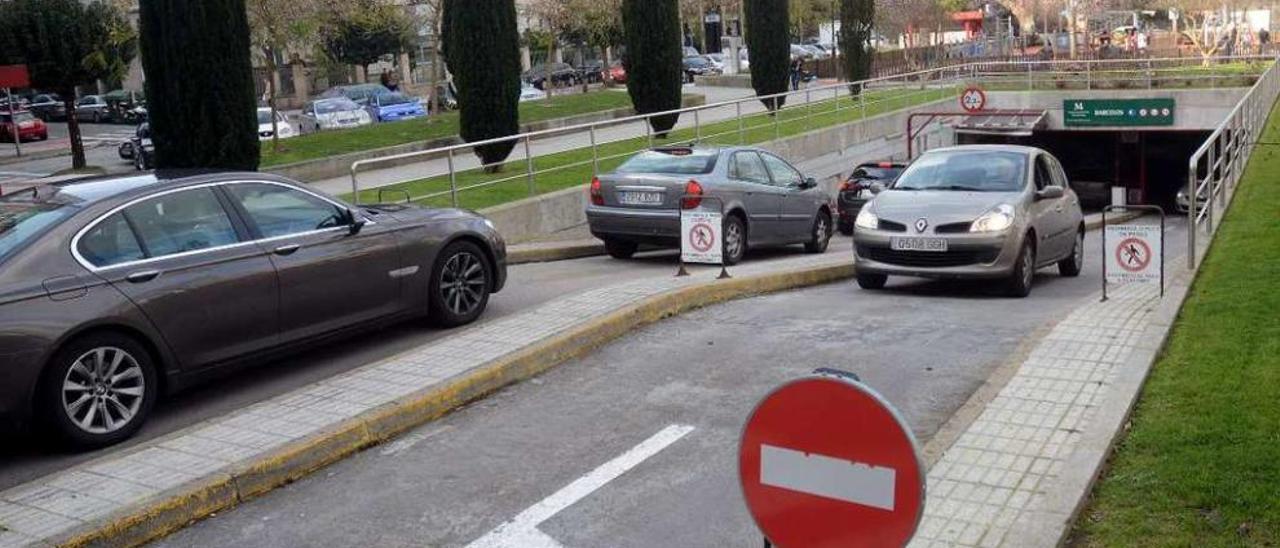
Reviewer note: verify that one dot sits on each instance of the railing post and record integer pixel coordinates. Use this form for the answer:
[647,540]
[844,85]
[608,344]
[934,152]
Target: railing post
[355,187]
[595,153]
[1088,74]
[1193,183]
[453,180]
[777,115]
[697,126]
[742,130]
[862,99]
[648,129]
[1031,86]
[1213,184]
[808,109]
[528,158]
[836,98]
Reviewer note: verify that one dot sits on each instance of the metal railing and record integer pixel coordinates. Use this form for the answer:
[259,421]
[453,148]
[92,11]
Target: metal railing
[582,151]
[1215,169]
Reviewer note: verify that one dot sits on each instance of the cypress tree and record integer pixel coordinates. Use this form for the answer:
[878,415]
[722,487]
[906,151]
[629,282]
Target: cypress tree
[482,48]
[856,20]
[769,41]
[200,91]
[654,57]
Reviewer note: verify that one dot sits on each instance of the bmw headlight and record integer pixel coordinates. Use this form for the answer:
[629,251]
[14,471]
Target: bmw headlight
[866,219]
[997,219]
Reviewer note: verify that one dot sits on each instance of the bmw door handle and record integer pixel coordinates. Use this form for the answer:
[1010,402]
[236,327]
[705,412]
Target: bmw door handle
[142,276]
[286,250]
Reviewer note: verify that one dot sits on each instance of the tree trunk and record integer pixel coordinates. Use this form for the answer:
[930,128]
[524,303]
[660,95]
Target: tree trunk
[606,75]
[73,130]
[271,102]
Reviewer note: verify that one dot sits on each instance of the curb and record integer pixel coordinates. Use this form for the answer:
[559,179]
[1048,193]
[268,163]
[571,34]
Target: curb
[554,253]
[173,510]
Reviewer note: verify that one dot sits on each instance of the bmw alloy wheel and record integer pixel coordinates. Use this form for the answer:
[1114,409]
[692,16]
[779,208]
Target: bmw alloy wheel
[462,283]
[103,390]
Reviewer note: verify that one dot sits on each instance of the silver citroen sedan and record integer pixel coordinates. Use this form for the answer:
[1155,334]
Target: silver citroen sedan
[981,211]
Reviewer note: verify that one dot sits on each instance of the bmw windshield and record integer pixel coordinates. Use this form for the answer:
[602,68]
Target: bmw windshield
[966,170]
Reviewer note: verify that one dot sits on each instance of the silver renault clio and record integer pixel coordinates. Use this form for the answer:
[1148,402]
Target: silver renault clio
[980,211]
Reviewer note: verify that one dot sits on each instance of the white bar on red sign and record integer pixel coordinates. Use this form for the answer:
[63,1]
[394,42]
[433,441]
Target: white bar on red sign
[828,477]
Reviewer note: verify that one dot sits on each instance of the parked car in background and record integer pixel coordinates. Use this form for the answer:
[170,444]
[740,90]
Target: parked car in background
[118,290]
[126,106]
[855,191]
[766,200]
[717,60]
[334,113]
[48,107]
[744,57]
[816,52]
[690,51]
[591,72]
[391,107]
[1182,200]
[618,72]
[558,74]
[93,108]
[144,152]
[982,211]
[698,66]
[359,93]
[800,52]
[282,122]
[29,127]
[19,103]
[530,93]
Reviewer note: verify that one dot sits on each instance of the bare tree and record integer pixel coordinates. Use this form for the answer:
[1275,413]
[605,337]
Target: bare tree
[276,27]
[1207,23]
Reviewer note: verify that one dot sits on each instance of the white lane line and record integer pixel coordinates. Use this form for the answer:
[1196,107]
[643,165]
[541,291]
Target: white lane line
[827,477]
[522,531]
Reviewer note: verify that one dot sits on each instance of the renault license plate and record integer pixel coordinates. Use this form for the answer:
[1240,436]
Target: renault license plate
[936,245]
[639,198]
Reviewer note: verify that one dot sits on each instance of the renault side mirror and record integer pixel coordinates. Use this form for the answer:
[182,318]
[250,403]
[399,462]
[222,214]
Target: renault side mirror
[809,182]
[876,188]
[1050,193]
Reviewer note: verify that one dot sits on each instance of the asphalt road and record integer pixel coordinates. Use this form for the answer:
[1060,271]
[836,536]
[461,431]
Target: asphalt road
[24,457]
[529,454]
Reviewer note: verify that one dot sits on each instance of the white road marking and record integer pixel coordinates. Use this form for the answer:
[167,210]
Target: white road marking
[406,443]
[827,477]
[522,531]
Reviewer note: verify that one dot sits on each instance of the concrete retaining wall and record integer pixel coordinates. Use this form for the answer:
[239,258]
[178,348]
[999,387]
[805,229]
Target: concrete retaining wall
[340,165]
[826,154]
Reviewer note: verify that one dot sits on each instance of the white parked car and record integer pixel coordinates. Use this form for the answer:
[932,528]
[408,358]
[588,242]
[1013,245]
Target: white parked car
[530,93]
[264,125]
[333,113]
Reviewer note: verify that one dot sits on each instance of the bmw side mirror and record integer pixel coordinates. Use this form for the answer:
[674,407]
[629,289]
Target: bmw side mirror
[876,188]
[1050,193]
[355,222]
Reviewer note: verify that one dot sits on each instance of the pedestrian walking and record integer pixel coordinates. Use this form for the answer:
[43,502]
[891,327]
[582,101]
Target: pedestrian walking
[797,71]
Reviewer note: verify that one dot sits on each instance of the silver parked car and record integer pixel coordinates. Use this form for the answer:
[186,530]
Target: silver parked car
[972,212]
[766,200]
[335,113]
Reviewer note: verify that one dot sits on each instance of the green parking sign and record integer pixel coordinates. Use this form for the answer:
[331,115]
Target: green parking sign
[1118,112]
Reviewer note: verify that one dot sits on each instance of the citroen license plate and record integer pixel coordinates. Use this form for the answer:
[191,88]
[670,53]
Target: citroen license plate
[639,198]
[937,245]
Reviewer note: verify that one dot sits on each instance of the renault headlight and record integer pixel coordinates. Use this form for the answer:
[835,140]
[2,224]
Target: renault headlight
[866,219]
[997,219]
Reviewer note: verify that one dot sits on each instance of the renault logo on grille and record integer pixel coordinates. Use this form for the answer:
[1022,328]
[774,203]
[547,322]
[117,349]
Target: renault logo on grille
[921,224]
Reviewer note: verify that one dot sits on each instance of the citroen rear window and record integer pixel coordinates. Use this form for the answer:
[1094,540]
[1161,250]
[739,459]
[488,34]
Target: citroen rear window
[676,161]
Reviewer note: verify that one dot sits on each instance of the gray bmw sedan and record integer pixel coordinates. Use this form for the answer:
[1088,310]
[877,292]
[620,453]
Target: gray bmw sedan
[115,288]
[981,211]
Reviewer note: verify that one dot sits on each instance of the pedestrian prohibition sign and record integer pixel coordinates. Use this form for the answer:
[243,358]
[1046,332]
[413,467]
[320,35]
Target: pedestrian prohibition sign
[1133,254]
[700,236]
[824,461]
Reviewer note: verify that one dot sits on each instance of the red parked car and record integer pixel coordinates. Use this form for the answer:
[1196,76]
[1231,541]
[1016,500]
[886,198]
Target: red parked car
[617,73]
[30,128]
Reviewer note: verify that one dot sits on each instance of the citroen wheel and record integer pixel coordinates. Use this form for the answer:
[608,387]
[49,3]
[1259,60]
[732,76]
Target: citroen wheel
[1024,271]
[735,240]
[99,390]
[820,234]
[1074,263]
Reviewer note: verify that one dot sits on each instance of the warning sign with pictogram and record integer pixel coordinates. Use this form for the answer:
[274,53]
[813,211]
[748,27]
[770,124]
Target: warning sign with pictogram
[1133,254]
[700,236]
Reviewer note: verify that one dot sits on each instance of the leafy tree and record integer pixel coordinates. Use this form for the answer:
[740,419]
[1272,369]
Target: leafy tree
[277,25]
[767,24]
[481,47]
[200,94]
[366,30]
[857,18]
[67,43]
[653,60]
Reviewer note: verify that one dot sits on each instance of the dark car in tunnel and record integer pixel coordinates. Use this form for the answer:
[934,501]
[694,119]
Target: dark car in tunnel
[116,290]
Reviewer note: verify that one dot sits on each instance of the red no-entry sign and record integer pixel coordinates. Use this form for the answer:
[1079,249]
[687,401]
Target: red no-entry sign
[827,462]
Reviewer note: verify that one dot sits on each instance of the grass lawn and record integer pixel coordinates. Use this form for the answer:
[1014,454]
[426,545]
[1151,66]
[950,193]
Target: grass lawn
[1201,463]
[574,167]
[328,143]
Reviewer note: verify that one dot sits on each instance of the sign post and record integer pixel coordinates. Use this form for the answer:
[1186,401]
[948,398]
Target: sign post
[825,461]
[14,76]
[1132,253]
[701,231]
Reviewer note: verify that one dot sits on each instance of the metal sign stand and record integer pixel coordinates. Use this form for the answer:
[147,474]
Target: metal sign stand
[1156,209]
[724,270]
[13,119]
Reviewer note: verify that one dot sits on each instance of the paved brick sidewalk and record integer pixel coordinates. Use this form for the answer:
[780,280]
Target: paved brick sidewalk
[51,508]
[991,486]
